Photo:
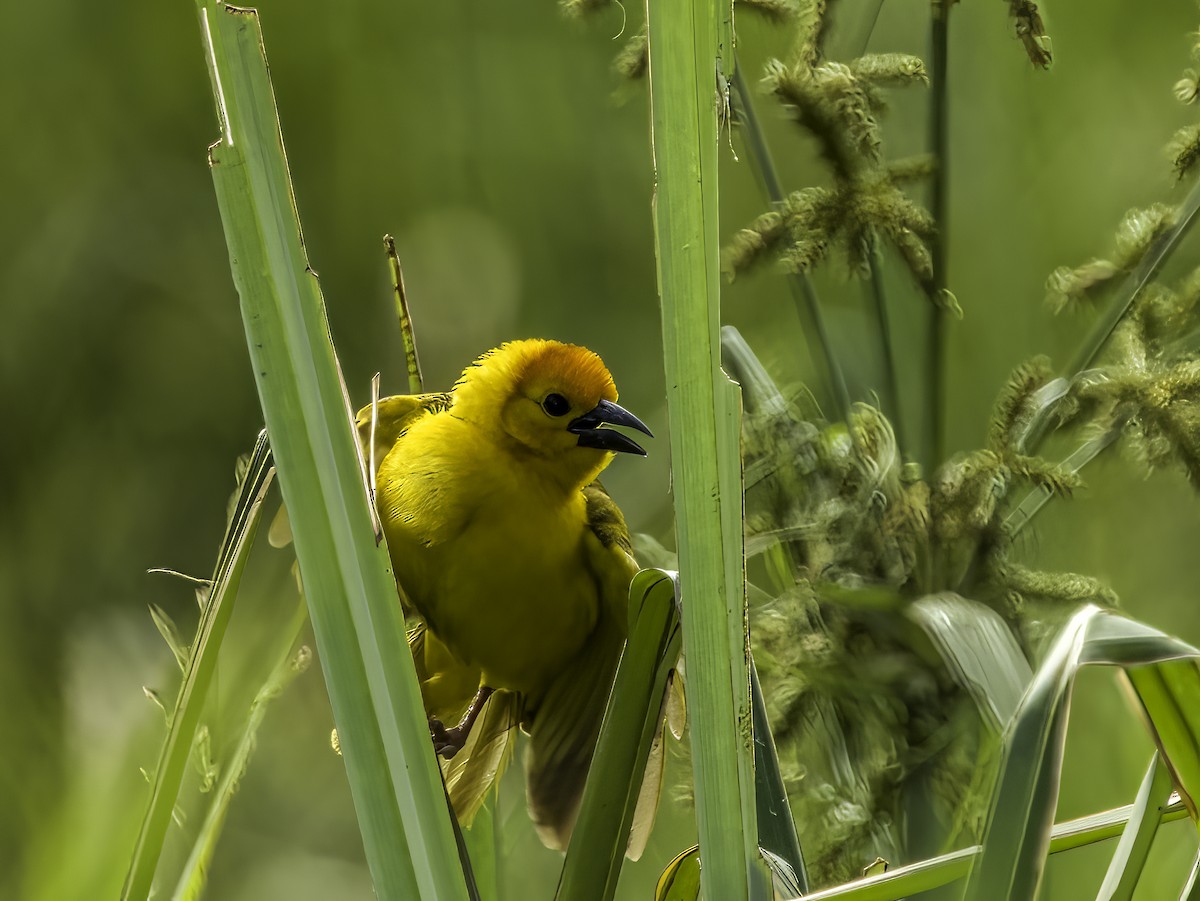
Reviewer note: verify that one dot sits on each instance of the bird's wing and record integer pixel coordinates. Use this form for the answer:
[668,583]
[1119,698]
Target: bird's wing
[566,724]
[393,417]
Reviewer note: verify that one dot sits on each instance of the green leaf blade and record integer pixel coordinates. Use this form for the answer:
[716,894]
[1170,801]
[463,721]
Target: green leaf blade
[690,54]
[394,780]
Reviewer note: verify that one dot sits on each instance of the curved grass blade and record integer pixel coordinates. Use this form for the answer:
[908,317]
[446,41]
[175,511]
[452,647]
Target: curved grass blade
[979,650]
[1165,677]
[1133,850]
[632,720]
[680,881]
[1191,889]
[291,663]
[198,672]
[394,780]
[1042,406]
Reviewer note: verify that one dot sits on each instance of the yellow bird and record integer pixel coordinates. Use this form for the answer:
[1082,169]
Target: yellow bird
[516,560]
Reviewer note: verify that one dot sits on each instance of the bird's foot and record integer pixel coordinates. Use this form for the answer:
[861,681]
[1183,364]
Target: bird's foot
[447,742]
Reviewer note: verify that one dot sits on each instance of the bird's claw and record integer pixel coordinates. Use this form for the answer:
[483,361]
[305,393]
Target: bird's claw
[446,742]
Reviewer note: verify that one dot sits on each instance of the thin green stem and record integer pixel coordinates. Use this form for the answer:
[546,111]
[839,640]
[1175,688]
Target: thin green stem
[856,23]
[1038,497]
[416,382]
[946,868]
[805,295]
[891,389]
[939,145]
[291,663]
[1131,289]
[1136,283]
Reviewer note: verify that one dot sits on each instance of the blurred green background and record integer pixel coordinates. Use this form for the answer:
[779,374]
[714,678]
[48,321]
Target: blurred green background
[512,165]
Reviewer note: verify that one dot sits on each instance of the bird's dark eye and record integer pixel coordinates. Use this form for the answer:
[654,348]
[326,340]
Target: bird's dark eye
[556,405]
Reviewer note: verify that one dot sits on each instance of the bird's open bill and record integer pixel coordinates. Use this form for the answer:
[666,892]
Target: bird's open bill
[589,428]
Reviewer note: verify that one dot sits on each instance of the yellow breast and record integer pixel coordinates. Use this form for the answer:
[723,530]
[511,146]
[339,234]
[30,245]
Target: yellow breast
[489,552]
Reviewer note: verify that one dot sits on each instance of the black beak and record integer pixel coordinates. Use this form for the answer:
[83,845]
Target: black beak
[588,428]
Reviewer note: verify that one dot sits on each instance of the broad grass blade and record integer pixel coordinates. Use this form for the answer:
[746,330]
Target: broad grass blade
[690,52]
[395,783]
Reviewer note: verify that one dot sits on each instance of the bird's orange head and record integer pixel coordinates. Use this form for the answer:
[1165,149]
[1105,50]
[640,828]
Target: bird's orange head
[550,399]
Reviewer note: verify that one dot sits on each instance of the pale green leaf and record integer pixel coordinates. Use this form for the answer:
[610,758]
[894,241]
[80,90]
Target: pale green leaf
[1133,850]
[198,675]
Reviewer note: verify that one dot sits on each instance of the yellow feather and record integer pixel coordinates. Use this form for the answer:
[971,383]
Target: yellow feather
[516,560]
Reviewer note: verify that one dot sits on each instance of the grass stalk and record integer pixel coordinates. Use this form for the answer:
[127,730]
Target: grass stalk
[939,145]
[1091,348]
[887,350]
[804,294]
[199,672]
[482,849]
[394,779]
[689,49]
[416,381]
